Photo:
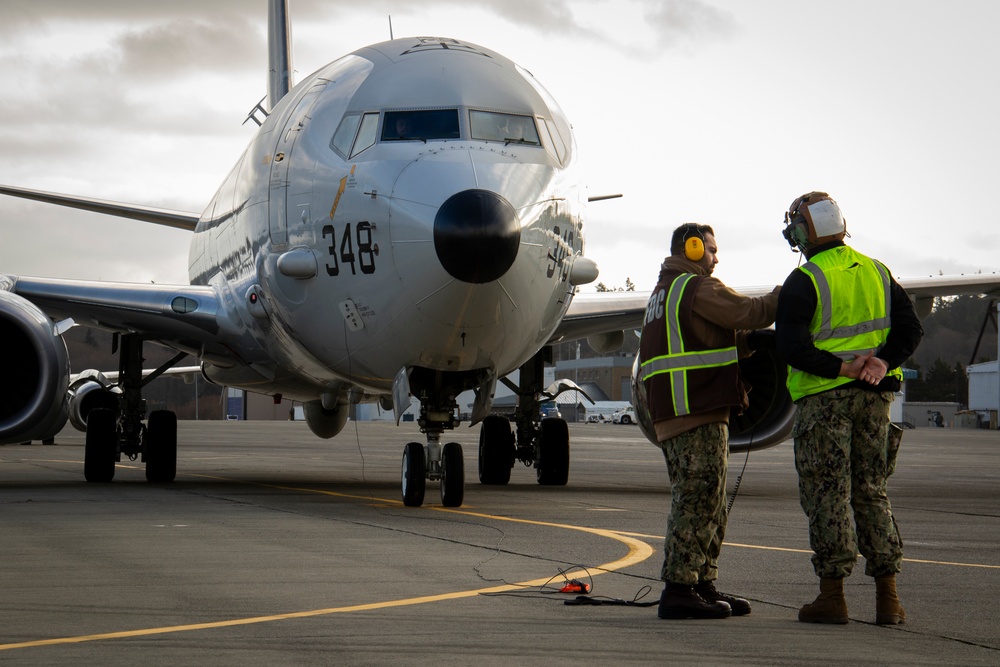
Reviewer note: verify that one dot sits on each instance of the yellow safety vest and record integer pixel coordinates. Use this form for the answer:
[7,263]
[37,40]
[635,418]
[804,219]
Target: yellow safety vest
[852,313]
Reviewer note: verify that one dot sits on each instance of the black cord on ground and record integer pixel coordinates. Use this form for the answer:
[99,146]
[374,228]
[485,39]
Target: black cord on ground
[739,478]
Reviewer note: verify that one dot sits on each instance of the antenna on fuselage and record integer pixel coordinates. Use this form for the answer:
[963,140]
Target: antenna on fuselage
[390,26]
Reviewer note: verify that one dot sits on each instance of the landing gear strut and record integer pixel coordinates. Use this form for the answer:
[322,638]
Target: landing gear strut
[112,433]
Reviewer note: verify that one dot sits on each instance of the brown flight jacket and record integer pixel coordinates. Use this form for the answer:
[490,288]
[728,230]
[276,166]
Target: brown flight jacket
[716,312]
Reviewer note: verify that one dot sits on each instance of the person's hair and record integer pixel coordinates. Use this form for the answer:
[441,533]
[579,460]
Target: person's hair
[684,232]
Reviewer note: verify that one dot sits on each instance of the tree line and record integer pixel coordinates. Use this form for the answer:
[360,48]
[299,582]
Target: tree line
[959,331]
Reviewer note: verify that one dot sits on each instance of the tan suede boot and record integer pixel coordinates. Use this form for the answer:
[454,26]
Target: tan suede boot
[888,611]
[829,607]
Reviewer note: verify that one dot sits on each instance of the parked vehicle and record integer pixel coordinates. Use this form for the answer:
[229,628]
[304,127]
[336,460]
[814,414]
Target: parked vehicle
[624,416]
[550,409]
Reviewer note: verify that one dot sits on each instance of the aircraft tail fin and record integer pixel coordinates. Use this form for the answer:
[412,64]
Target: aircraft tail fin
[279,42]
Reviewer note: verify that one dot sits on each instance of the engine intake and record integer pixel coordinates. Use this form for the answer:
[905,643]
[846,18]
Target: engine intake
[91,390]
[33,400]
[765,423]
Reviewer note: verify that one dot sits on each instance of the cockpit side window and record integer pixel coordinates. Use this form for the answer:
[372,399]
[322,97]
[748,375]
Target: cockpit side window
[506,127]
[557,141]
[420,125]
[343,138]
[366,135]
[355,133]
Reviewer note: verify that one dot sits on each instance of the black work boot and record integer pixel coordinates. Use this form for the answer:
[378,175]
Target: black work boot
[680,601]
[706,591]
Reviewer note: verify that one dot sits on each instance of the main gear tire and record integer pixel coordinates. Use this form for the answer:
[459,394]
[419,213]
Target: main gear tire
[553,455]
[100,447]
[496,451]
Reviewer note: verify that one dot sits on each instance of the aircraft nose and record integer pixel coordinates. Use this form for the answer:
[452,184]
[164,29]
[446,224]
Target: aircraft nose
[476,235]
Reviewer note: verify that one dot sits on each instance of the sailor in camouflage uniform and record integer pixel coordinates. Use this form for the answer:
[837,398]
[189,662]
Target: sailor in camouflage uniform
[844,327]
[689,381]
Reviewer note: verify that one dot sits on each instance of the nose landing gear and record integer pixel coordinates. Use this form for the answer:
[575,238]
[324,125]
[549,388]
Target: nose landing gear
[436,462]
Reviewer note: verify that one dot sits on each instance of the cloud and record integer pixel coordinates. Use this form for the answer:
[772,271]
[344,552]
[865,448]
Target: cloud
[685,24]
[176,49]
[688,23]
[22,18]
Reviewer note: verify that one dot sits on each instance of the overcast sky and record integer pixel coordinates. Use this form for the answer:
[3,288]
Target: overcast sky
[716,111]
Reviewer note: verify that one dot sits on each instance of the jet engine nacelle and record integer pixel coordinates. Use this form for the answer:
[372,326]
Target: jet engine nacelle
[325,423]
[33,402]
[765,423]
[88,391]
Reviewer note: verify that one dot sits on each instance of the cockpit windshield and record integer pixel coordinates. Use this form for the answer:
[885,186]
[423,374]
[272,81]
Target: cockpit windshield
[506,127]
[420,125]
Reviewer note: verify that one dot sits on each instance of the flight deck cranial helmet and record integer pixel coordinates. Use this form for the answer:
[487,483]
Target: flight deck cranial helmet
[813,219]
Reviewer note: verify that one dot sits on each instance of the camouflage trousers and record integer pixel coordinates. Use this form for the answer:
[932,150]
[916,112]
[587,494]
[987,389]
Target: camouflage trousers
[696,526]
[845,450]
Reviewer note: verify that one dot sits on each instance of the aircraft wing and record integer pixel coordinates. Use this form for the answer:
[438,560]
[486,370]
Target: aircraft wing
[597,313]
[923,291]
[185,317]
[159,216]
[593,314]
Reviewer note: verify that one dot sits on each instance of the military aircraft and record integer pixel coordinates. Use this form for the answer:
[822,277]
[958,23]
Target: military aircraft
[408,222]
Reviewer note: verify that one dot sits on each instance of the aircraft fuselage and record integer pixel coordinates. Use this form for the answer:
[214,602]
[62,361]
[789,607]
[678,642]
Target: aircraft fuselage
[414,204]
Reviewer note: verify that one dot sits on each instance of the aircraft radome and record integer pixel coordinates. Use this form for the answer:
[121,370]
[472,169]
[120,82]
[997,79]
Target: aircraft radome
[407,222]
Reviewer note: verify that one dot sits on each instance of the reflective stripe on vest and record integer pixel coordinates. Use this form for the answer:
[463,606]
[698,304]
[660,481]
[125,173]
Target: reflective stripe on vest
[677,362]
[826,329]
[837,340]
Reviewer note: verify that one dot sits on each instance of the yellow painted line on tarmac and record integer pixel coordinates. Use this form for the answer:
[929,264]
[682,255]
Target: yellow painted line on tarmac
[944,562]
[638,551]
[808,551]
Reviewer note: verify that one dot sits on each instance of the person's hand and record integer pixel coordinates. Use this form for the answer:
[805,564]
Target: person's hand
[854,369]
[761,339]
[874,370]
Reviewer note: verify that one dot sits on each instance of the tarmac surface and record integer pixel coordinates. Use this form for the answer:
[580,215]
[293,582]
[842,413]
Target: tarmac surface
[275,547]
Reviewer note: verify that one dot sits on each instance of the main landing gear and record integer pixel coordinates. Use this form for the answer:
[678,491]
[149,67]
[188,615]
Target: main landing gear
[116,431]
[542,443]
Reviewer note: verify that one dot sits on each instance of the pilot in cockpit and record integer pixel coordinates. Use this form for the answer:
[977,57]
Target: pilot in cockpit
[510,128]
[404,127]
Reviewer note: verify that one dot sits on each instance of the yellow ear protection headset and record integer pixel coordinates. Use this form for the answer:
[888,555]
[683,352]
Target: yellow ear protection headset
[694,243]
